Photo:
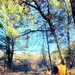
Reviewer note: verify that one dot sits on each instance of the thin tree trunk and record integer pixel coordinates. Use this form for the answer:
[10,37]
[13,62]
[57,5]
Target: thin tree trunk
[68,35]
[53,32]
[43,53]
[58,43]
[12,45]
[48,49]
[68,38]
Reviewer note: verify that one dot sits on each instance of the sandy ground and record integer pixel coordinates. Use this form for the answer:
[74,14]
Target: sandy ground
[70,72]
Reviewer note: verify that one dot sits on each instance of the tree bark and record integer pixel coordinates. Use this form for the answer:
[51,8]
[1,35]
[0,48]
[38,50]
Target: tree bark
[58,45]
[43,53]
[73,8]
[48,49]
[9,52]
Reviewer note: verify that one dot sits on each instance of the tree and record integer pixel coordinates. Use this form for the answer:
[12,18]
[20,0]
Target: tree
[39,8]
[73,8]
[11,13]
[69,28]
[68,32]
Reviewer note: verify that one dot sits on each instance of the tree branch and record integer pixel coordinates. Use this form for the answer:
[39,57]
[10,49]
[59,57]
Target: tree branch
[48,7]
[30,4]
[31,31]
[37,8]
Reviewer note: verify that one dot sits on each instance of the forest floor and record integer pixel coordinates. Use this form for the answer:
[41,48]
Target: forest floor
[70,72]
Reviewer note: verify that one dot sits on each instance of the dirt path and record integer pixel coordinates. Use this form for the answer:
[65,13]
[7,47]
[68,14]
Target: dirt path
[70,72]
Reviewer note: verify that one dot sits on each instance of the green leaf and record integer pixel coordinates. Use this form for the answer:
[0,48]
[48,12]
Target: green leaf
[54,3]
[1,16]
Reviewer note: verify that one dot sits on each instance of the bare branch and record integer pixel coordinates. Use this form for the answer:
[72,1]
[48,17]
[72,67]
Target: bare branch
[37,8]
[30,4]
[48,7]
[32,31]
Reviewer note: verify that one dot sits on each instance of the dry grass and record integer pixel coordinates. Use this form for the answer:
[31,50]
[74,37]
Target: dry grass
[70,72]
[18,73]
[33,58]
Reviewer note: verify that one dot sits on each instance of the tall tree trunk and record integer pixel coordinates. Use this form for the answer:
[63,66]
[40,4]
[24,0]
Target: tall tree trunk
[57,41]
[8,53]
[37,7]
[73,13]
[43,53]
[53,32]
[55,36]
[48,49]
[12,50]
[68,35]
[73,8]
[68,38]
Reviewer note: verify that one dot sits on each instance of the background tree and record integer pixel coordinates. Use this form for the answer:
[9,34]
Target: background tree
[48,19]
[11,14]
[73,8]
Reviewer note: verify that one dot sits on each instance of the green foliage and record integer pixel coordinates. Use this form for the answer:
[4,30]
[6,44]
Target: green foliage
[68,5]
[10,31]
[54,3]
[67,2]
[1,15]
[11,12]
